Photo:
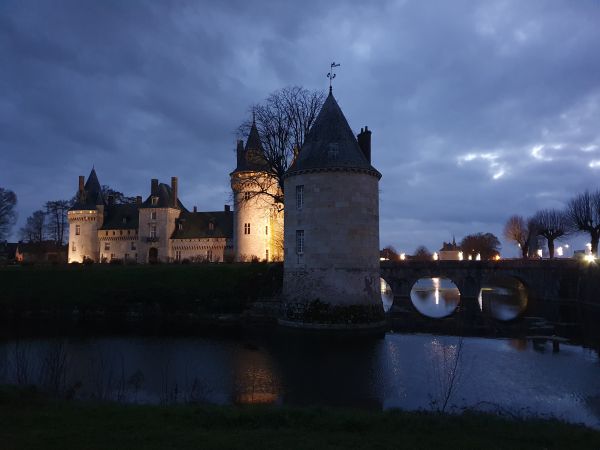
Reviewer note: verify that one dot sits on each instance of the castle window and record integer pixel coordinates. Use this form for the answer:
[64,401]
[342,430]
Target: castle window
[128,232]
[266,255]
[77,230]
[121,232]
[114,232]
[154,201]
[126,255]
[266,229]
[153,215]
[211,226]
[107,233]
[124,219]
[112,256]
[178,255]
[73,248]
[300,242]
[247,195]
[209,255]
[106,246]
[180,226]
[299,196]
[246,228]
[133,246]
[153,231]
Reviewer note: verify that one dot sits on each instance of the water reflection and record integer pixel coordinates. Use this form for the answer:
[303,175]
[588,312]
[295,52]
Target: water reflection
[503,298]
[256,381]
[387,296]
[435,297]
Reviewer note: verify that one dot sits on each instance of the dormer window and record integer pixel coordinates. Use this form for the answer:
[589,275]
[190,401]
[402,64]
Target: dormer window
[211,226]
[154,201]
[124,219]
[180,226]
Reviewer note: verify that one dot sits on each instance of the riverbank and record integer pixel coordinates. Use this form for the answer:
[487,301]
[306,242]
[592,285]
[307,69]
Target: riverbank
[199,294]
[32,420]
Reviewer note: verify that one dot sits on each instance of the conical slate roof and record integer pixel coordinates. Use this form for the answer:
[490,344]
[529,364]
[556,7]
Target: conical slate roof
[251,157]
[91,195]
[331,144]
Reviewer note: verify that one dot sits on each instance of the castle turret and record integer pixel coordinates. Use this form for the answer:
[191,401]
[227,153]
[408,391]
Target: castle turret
[257,219]
[332,226]
[85,218]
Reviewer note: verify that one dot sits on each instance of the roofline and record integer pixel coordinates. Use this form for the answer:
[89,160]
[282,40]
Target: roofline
[373,172]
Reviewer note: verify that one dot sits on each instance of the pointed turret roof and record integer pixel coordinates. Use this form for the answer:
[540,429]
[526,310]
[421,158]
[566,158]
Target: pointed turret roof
[91,195]
[251,157]
[331,144]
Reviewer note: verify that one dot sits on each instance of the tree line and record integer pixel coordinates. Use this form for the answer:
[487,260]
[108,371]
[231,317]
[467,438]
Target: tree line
[580,215]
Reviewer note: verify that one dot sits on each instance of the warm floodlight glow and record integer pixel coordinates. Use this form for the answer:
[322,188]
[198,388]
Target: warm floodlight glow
[435,256]
[497,257]
[589,258]
[402,256]
[478,257]
[460,256]
[559,251]
[540,252]
[470,257]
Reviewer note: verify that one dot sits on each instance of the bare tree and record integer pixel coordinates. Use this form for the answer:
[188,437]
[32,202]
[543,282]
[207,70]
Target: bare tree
[118,197]
[8,215]
[282,121]
[486,244]
[57,224]
[34,229]
[422,254]
[551,224]
[521,231]
[583,215]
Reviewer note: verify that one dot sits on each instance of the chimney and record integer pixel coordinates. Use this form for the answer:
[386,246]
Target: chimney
[195,209]
[154,187]
[240,153]
[227,208]
[174,191]
[364,142]
[81,183]
[138,200]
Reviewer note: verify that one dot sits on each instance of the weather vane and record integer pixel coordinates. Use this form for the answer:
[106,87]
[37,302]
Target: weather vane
[331,75]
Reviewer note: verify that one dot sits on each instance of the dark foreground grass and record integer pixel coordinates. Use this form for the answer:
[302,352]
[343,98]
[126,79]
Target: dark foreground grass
[164,287]
[31,421]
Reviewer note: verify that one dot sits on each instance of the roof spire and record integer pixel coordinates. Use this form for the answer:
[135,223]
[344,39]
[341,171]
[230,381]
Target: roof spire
[331,75]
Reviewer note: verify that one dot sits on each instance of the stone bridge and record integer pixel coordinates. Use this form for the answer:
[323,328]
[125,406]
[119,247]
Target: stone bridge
[556,289]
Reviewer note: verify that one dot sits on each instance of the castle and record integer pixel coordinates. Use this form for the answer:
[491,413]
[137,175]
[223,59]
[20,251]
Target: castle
[161,229]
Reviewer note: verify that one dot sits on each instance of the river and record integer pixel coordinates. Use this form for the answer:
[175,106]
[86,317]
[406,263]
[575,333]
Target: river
[410,371]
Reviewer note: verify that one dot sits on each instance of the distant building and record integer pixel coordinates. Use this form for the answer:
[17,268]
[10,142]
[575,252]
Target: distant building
[40,252]
[161,228]
[8,252]
[450,251]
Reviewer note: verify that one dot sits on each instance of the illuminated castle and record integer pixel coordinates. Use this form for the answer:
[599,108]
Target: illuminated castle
[161,228]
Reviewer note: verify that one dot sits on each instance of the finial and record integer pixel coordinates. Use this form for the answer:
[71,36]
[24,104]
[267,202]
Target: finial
[331,75]
[254,116]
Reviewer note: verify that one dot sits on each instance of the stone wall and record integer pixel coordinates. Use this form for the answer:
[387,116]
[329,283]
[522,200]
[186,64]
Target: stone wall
[84,244]
[205,249]
[165,226]
[340,220]
[118,244]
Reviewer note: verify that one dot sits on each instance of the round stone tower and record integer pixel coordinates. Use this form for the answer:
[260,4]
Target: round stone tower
[331,263]
[85,218]
[257,219]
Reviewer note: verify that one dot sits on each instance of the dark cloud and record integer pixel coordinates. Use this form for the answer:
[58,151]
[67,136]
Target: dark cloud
[479,109]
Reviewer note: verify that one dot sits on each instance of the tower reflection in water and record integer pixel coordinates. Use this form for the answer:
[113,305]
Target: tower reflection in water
[435,297]
[256,380]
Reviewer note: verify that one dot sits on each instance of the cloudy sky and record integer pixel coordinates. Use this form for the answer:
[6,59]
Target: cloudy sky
[479,110]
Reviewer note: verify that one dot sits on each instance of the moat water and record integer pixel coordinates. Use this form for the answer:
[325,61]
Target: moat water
[408,371]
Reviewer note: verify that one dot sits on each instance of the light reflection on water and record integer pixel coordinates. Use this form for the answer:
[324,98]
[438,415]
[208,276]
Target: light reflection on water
[406,371]
[435,297]
[503,298]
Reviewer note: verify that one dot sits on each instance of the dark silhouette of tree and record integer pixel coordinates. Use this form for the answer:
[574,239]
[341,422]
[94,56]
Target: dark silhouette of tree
[57,224]
[390,253]
[486,244]
[551,224]
[118,197]
[521,231]
[8,215]
[422,254]
[34,229]
[583,215]
[283,121]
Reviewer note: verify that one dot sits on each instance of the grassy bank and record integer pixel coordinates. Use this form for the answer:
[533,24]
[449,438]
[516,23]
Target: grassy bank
[214,288]
[30,421]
